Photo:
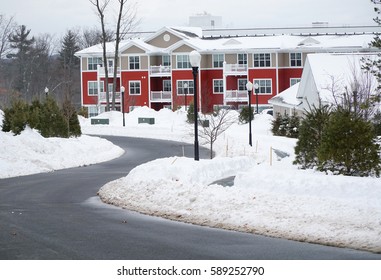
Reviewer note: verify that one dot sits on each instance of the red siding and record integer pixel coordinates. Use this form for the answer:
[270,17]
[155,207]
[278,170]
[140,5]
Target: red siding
[135,100]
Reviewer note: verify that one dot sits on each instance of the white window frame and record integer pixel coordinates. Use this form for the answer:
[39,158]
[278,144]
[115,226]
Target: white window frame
[93,62]
[265,86]
[180,89]
[166,60]
[243,60]
[241,84]
[132,86]
[95,89]
[262,60]
[182,61]
[134,61]
[294,81]
[219,85]
[296,60]
[167,85]
[218,60]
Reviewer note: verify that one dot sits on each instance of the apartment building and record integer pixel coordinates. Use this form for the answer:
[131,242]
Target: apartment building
[155,71]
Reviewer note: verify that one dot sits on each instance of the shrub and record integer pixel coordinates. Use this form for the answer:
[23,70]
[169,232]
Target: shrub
[244,115]
[190,113]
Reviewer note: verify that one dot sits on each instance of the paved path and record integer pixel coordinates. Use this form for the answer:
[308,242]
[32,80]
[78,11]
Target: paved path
[58,216]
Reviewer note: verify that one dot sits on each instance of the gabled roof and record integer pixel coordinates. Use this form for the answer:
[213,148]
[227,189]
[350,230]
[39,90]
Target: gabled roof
[287,98]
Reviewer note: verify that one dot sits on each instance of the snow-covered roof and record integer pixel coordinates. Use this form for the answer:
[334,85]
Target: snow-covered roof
[287,98]
[334,73]
[193,37]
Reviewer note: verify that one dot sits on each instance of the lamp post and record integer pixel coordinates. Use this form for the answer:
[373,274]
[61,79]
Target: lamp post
[195,59]
[122,89]
[185,95]
[46,91]
[256,86]
[249,87]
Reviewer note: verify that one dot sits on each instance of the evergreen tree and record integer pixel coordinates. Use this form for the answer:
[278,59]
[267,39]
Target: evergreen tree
[276,124]
[71,118]
[68,48]
[348,146]
[21,42]
[53,122]
[16,117]
[244,115]
[190,113]
[310,135]
[293,126]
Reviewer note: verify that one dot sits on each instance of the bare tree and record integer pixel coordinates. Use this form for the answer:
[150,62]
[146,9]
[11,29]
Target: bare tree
[101,8]
[126,21]
[214,124]
[7,26]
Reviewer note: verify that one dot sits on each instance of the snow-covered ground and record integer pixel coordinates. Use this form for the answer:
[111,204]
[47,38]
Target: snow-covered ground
[270,196]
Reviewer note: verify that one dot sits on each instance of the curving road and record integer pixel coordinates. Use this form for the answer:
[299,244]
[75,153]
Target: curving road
[58,216]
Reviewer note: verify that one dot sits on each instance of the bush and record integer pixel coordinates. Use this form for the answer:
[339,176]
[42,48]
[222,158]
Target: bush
[244,115]
[286,125]
[309,137]
[16,117]
[348,146]
[190,113]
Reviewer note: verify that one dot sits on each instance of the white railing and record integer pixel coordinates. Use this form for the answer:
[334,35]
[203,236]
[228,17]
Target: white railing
[235,68]
[160,70]
[236,95]
[161,96]
[102,96]
[101,71]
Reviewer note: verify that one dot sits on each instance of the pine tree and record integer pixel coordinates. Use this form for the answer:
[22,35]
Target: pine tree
[190,113]
[244,115]
[293,126]
[53,122]
[16,117]
[348,146]
[71,118]
[310,134]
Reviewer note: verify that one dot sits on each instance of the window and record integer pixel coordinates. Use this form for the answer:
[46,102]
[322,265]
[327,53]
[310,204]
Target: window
[166,60]
[184,87]
[295,59]
[294,81]
[218,86]
[134,87]
[262,60]
[183,61]
[93,87]
[242,84]
[218,60]
[93,111]
[167,85]
[242,58]
[134,62]
[93,62]
[265,86]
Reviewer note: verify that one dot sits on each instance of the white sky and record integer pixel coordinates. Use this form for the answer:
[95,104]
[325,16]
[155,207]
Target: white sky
[57,16]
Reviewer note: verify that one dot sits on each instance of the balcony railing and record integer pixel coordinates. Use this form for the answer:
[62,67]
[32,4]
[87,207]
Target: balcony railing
[101,72]
[160,70]
[235,69]
[102,97]
[163,96]
[236,96]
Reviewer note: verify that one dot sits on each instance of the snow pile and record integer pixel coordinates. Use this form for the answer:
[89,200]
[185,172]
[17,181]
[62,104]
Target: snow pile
[30,153]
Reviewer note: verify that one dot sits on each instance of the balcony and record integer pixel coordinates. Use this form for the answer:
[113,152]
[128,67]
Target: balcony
[102,97]
[235,69]
[236,96]
[101,72]
[160,71]
[161,96]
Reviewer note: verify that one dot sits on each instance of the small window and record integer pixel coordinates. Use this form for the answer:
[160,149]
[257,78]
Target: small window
[134,87]
[166,60]
[242,59]
[134,62]
[262,60]
[218,60]
[185,87]
[218,86]
[265,86]
[183,61]
[167,86]
[295,59]
[93,62]
[294,81]
[242,84]
[92,88]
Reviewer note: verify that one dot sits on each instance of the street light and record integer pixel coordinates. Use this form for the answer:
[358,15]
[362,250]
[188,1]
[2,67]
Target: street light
[195,59]
[185,95]
[256,86]
[122,89]
[46,91]
[249,87]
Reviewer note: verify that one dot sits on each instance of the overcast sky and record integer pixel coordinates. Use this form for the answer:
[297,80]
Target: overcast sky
[57,16]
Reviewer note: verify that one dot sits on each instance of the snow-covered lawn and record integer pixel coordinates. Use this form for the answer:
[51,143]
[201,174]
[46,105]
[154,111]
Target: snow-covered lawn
[270,195]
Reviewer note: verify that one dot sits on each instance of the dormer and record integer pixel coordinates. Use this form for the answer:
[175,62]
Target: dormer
[309,42]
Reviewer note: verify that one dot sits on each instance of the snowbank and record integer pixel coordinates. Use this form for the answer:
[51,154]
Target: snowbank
[30,153]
